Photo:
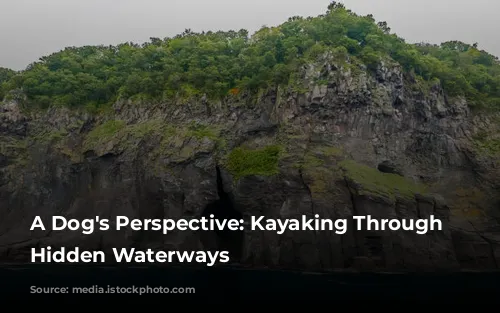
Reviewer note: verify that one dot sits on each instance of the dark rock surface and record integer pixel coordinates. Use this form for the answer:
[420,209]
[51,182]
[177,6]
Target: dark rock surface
[388,167]
[162,161]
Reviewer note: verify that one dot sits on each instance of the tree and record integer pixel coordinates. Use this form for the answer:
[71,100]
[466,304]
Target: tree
[280,51]
[334,5]
[6,74]
[219,63]
[384,27]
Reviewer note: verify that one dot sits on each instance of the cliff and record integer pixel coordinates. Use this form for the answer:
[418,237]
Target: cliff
[349,143]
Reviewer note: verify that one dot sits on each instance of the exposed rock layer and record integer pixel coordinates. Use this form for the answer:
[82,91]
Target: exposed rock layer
[170,161]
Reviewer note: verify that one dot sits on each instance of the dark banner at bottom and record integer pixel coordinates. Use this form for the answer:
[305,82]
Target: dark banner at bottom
[118,289]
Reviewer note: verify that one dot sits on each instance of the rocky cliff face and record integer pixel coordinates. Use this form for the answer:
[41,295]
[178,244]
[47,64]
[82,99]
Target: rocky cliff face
[347,143]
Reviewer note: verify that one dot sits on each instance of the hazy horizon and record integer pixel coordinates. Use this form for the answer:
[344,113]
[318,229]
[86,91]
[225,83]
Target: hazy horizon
[36,28]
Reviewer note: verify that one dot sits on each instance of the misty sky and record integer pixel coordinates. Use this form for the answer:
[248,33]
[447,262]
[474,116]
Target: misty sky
[30,29]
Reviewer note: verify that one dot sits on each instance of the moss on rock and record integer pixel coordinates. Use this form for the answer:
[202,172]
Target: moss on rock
[49,137]
[141,130]
[488,146]
[200,131]
[373,182]
[263,162]
[103,133]
[126,136]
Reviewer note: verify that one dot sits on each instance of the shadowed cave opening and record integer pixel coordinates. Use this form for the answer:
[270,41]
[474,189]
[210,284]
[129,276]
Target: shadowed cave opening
[226,239]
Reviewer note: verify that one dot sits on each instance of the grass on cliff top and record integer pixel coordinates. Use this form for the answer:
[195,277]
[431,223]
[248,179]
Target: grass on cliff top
[374,182]
[263,162]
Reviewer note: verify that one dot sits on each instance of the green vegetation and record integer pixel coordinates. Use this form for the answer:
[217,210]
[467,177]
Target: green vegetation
[375,182]
[140,130]
[318,167]
[203,131]
[490,146]
[171,139]
[5,75]
[103,133]
[487,142]
[263,162]
[49,137]
[11,146]
[219,64]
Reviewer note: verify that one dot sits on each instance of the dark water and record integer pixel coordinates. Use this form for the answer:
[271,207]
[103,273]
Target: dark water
[246,290]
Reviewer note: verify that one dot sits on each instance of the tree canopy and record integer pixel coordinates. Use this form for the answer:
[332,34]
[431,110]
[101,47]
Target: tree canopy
[5,75]
[220,63]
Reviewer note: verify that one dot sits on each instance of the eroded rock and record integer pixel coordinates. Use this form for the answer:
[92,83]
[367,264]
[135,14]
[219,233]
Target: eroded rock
[169,161]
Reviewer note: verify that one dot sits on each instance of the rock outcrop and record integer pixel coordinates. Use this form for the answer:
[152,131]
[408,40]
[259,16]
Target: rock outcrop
[347,143]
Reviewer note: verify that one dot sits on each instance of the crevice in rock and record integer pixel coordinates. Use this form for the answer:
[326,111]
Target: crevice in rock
[388,167]
[308,189]
[301,173]
[223,209]
[309,192]
[398,102]
[352,196]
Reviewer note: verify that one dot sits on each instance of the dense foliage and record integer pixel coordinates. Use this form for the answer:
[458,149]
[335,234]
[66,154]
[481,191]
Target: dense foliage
[222,63]
[5,75]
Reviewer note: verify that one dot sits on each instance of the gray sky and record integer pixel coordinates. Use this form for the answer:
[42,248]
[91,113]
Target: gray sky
[30,29]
